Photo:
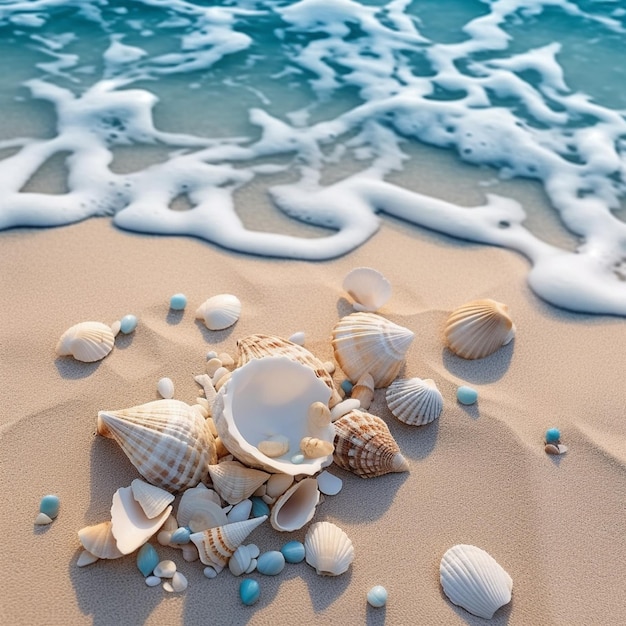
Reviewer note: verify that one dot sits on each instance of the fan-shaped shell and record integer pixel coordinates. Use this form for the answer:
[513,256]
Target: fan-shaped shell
[99,541]
[364,446]
[414,401]
[296,506]
[199,508]
[220,311]
[368,343]
[259,346]
[168,442]
[472,579]
[369,289]
[153,500]
[478,328]
[87,341]
[328,549]
[236,482]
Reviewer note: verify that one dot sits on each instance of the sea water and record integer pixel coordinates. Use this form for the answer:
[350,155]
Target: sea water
[176,116]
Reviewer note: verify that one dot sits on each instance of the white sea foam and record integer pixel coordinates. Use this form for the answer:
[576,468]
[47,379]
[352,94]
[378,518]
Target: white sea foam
[314,83]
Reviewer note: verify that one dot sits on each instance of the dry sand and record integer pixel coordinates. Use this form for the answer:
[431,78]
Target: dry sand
[478,475]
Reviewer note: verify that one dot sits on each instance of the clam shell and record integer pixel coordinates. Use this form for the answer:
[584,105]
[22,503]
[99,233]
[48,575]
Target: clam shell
[478,328]
[414,401]
[369,289]
[220,311]
[364,446]
[296,506]
[166,440]
[153,500]
[259,346]
[87,341]
[200,508]
[472,579]
[328,549]
[363,391]
[236,482]
[99,541]
[368,343]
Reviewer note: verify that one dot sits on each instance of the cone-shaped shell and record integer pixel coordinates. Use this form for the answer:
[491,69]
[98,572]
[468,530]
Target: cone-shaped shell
[167,441]
[478,328]
[296,506]
[236,482]
[328,549]
[220,311]
[153,500]
[368,343]
[217,545]
[472,579]
[87,341]
[368,287]
[414,401]
[259,346]
[364,446]
[99,541]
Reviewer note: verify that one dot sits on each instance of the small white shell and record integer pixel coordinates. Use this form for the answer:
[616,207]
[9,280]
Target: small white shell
[153,500]
[220,311]
[298,338]
[369,289]
[296,506]
[86,558]
[87,342]
[472,579]
[99,541]
[414,401]
[328,549]
[165,387]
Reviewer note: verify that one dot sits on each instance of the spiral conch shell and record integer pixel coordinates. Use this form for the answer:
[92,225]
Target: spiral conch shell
[87,342]
[168,442]
[478,328]
[368,343]
[414,401]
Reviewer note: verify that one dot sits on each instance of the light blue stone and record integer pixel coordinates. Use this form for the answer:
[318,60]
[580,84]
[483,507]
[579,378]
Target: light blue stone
[553,435]
[293,551]
[178,301]
[249,591]
[377,596]
[466,395]
[346,385]
[270,563]
[147,559]
[259,508]
[297,459]
[128,323]
[50,505]
[180,535]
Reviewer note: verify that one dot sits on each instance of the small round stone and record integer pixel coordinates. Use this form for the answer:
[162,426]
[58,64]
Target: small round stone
[293,551]
[249,591]
[346,385]
[553,435]
[377,596]
[50,505]
[153,581]
[297,459]
[178,302]
[165,569]
[466,395]
[271,563]
[180,535]
[259,507]
[128,323]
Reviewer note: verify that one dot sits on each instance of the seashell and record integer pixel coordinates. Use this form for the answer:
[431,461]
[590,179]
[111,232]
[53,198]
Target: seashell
[368,343]
[99,541]
[472,579]
[236,482]
[278,484]
[200,508]
[312,447]
[240,512]
[293,551]
[42,519]
[298,338]
[87,342]
[147,559]
[240,561]
[414,401]
[165,387]
[153,500]
[364,446]
[329,484]
[217,545]
[369,289]
[50,505]
[363,391]
[274,447]
[86,558]
[130,526]
[271,563]
[296,506]
[259,507]
[165,569]
[344,407]
[265,396]
[553,448]
[259,346]
[478,328]
[181,535]
[226,359]
[190,552]
[220,311]
[328,549]
[167,441]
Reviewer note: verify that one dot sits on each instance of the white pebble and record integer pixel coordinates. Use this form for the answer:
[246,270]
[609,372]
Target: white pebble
[329,366]
[329,483]
[164,537]
[212,366]
[165,569]
[153,581]
[219,372]
[168,586]
[297,338]
[226,359]
[179,582]
[165,387]
[211,354]
[339,410]
[209,572]
[116,327]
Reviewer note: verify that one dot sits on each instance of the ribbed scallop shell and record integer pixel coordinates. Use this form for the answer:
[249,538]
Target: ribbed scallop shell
[296,506]
[328,549]
[153,500]
[168,442]
[259,346]
[364,446]
[478,328]
[472,579]
[368,287]
[368,343]
[199,508]
[99,541]
[87,341]
[414,401]
[236,482]
[220,311]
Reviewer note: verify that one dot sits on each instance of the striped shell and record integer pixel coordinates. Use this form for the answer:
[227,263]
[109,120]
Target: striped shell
[168,442]
[364,446]
[236,482]
[199,508]
[99,541]
[259,346]
[153,500]
[220,311]
[87,341]
[414,401]
[472,579]
[478,328]
[368,343]
[368,287]
[328,549]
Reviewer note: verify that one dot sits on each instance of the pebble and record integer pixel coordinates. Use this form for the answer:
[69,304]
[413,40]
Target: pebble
[297,338]
[165,569]
[128,323]
[147,559]
[259,508]
[466,395]
[179,582]
[42,519]
[293,551]
[209,572]
[211,354]
[240,512]
[226,359]
[553,435]
[329,484]
[297,459]
[271,563]
[165,387]
[50,505]
[346,385]
[329,366]
[86,558]
[212,365]
[180,535]
[249,591]
[178,302]
[343,407]
[377,596]
[153,581]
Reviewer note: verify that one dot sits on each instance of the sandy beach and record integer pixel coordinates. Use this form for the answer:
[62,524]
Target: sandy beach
[478,474]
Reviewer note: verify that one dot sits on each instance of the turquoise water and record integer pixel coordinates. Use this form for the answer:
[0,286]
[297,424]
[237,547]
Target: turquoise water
[186,118]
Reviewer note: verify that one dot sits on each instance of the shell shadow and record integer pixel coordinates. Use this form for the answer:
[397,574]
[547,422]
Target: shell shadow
[212,337]
[417,441]
[324,590]
[489,369]
[71,369]
[174,317]
[471,410]
[344,307]
[375,616]
[124,341]
[501,617]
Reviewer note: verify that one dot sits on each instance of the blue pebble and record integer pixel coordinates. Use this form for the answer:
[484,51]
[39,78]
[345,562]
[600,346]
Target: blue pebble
[249,591]
[181,535]
[377,596]
[466,395]
[147,559]
[553,435]
[178,301]
[346,385]
[293,551]
[259,508]
[271,563]
[297,459]
[50,505]
[128,323]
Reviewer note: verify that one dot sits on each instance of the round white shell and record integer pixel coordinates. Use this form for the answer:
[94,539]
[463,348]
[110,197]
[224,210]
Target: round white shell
[328,549]
[87,342]
[296,506]
[165,387]
[472,579]
[220,311]
[369,289]
[414,401]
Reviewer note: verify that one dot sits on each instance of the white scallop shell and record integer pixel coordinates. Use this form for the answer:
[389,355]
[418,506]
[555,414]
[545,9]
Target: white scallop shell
[87,342]
[478,328]
[369,289]
[296,506]
[328,549]
[99,541]
[472,579]
[220,311]
[414,401]
[200,508]
[153,500]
